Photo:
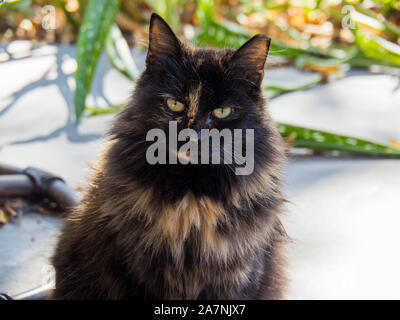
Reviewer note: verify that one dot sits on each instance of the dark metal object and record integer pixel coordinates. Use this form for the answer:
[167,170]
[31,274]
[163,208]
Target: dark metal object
[7,169]
[41,179]
[4,296]
[65,196]
[15,182]
[15,185]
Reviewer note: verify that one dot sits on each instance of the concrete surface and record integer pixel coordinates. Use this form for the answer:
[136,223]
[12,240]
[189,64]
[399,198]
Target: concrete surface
[343,215]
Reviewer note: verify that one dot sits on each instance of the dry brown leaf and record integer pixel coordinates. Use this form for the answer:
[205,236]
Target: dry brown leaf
[296,17]
[257,20]
[395,143]
[290,138]
[10,211]
[347,35]
[324,70]
[4,218]
[316,17]
[325,29]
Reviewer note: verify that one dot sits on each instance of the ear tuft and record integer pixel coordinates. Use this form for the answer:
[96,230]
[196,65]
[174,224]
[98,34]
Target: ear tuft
[250,58]
[163,43]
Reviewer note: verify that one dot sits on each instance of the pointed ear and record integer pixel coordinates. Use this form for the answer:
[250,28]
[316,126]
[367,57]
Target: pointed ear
[163,43]
[250,58]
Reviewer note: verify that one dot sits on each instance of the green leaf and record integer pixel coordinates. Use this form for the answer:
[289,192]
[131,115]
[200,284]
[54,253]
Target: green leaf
[82,7]
[167,9]
[119,54]
[221,33]
[393,4]
[272,90]
[360,61]
[389,27]
[19,5]
[304,60]
[97,111]
[377,48]
[218,35]
[99,17]
[326,141]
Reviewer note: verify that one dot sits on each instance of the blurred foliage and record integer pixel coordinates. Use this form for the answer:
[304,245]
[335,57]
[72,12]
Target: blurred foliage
[322,36]
[93,35]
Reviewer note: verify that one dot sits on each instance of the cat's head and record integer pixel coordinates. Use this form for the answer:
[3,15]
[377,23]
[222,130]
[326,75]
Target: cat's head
[199,88]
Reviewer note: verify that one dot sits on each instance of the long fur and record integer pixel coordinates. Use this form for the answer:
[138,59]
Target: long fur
[181,231]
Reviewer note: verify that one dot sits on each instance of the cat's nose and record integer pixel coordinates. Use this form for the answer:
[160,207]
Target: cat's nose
[199,124]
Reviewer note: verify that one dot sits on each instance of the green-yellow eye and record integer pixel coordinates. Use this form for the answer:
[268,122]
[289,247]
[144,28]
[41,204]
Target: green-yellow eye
[221,113]
[175,105]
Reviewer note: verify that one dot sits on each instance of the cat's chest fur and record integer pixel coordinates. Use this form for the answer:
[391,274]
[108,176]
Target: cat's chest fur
[189,218]
[189,248]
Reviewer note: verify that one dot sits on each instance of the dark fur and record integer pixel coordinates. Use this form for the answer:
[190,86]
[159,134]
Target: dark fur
[175,231]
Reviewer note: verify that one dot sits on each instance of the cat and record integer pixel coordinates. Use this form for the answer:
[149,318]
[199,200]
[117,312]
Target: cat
[174,231]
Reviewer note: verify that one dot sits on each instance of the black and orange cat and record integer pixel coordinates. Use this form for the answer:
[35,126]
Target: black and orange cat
[177,231]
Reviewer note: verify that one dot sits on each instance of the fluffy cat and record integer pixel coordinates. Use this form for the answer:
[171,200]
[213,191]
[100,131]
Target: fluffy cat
[178,231]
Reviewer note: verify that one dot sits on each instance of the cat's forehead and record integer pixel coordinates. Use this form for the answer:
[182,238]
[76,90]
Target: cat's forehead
[205,61]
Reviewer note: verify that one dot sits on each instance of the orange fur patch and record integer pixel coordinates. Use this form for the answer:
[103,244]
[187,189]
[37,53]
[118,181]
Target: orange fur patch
[194,98]
[176,221]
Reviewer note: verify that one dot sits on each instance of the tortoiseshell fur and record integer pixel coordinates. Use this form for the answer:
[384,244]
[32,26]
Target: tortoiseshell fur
[181,231]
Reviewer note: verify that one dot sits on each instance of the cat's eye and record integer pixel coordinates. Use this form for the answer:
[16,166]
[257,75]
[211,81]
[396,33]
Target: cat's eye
[175,105]
[221,113]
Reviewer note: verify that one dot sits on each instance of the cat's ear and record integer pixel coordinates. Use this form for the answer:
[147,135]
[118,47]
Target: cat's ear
[250,58]
[163,44]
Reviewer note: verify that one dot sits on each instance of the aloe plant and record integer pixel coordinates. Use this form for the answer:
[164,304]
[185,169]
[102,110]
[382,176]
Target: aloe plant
[273,90]
[119,54]
[390,28]
[99,17]
[302,137]
[378,48]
